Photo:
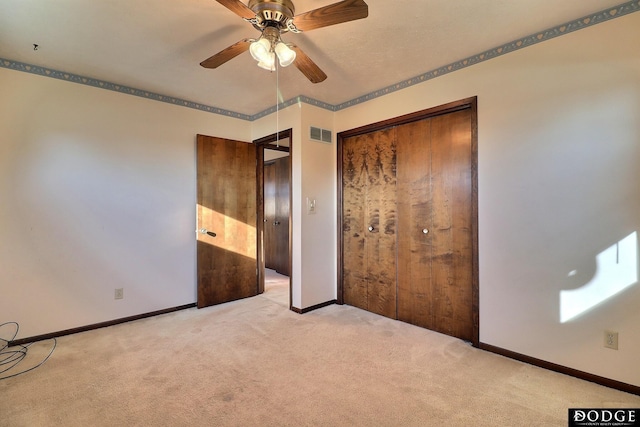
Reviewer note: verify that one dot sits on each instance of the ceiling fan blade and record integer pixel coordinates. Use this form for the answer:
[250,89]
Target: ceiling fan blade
[226,54]
[237,7]
[307,66]
[337,13]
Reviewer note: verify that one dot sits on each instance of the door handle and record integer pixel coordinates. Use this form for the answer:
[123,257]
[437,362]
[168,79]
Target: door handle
[276,223]
[210,233]
[371,228]
[425,231]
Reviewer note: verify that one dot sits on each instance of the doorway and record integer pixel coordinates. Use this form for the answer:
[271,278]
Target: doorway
[273,154]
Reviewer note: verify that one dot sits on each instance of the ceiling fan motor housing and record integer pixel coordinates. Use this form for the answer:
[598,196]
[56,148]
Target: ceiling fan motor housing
[272,12]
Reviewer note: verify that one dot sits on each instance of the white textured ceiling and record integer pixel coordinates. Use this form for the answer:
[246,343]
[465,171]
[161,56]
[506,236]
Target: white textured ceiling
[157,45]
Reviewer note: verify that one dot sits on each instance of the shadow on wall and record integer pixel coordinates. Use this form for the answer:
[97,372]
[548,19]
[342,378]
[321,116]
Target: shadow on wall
[616,270]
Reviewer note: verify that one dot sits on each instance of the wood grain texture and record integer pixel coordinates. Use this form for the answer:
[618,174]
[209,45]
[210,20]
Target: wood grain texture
[381,216]
[307,67]
[415,287]
[336,13]
[226,195]
[237,7]
[451,237]
[435,286]
[436,190]
[354,195]
[260,216]
[226,54]
[276,208]
[369,266]
[270,253]
[283,201]
[475,270]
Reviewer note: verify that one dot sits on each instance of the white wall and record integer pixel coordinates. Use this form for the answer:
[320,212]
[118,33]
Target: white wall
[319,233]
[97,192]
[559,147]
[313,278]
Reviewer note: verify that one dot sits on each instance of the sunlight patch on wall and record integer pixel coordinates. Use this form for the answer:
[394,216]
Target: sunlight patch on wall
[616,270]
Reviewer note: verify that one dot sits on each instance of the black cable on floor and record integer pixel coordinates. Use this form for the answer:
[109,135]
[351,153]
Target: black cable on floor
[10,357]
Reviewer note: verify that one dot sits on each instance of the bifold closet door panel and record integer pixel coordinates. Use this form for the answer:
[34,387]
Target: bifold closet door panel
[414,201]
[381,223]
[369,222]
[354,193]
[450,236]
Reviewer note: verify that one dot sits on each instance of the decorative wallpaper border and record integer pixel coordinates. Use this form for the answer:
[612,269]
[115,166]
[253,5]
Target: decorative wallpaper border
[298,99]
[70,77]
[577,24]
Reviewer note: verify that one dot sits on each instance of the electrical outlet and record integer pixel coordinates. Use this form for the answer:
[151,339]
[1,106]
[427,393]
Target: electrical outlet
[119,293]
[611,340]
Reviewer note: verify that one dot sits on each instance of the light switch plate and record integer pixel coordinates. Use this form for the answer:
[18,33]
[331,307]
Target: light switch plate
[311,205]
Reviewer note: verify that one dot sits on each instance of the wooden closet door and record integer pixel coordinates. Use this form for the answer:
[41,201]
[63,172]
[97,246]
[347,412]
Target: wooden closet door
[270,252]
[415,286]
[381,223]
[354,223]
[369,222]
[452,246]
[435,224]
[282,215]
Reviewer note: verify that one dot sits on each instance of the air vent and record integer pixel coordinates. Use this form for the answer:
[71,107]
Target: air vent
[320,135]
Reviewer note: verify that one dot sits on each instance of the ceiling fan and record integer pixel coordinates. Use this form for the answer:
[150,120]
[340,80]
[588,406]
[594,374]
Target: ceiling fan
[275,17]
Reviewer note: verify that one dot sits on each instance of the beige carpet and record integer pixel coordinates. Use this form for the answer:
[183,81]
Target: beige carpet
[255,363]
[276,287]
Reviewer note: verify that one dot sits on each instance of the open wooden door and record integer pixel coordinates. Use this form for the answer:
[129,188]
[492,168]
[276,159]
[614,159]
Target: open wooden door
[227,262]
[276,214]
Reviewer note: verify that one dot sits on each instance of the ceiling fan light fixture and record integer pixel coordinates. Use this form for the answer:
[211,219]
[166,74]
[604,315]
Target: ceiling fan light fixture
[275,17]
[286,55]
[261,50]
[269,62]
